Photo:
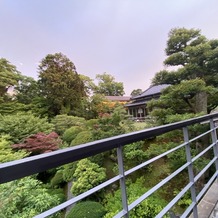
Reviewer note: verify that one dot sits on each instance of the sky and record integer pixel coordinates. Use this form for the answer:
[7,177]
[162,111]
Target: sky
[125,38]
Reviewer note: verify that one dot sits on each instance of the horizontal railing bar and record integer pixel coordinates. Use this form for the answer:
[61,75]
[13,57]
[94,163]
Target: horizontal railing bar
[174,200]
[207,122]
[203,152]
[204,169]
[153,159]
[31,165]
[122,213]
[206,187]
[77,198]
[159,185]
[199,136]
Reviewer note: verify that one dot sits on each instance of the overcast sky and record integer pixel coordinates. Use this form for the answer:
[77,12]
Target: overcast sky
[125,38]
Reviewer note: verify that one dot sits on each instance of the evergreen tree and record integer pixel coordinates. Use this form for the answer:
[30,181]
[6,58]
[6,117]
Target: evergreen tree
[60,84]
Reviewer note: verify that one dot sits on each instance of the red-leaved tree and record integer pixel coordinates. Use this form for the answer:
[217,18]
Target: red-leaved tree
[40,143]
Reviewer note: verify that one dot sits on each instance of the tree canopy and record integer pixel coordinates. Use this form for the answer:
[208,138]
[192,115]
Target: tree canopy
[9,76]
[108,86]
[193,54]
[60,84]
[26,90]
[136,92]
[195,58]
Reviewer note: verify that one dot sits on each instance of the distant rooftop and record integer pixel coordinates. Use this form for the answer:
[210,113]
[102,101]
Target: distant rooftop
[118,98]
[152,90]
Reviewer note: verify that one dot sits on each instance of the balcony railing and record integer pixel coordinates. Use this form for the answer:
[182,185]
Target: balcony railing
[28,166]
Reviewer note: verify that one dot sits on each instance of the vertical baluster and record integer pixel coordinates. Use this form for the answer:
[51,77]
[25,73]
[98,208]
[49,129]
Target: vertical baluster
[214,140]
[122,180]
[190,171]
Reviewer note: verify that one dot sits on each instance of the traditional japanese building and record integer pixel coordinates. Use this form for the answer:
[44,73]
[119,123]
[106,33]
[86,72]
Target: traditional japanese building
[137,109]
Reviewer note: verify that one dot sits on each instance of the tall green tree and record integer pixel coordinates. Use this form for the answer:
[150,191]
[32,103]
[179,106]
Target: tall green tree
[26,90]
[9,76]
[136,92]
[60,84]
[89,85]
[193,54]
[195,57]
[108,86]
[29,94]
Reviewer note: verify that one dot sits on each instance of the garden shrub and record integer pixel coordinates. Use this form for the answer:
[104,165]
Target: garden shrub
[87,209]
[64,122]
[82,137]
[71,133]
[57,179]
[20,126]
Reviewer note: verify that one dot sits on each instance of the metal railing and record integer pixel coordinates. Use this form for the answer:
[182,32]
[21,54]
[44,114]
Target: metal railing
[28,166]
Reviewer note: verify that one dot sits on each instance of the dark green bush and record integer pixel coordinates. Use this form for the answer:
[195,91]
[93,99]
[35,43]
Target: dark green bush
[64,122]
[57,179]
[87,209]
[82,137]
[71,133]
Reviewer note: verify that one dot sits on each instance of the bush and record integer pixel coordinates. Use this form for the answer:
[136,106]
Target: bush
[68,171]
[6,152]
[82,137]
[20,126]
[57,179]
[40,143]
[64,122]
[28,197]
[87,209]
[148,208]
[71,133]
[90,123]
[86,176]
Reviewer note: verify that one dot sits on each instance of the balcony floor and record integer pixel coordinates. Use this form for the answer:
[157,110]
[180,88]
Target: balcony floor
[208,202]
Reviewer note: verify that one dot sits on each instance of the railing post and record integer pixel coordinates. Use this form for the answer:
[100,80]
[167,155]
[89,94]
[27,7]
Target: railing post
[122,181]
[190,170]
[214,140]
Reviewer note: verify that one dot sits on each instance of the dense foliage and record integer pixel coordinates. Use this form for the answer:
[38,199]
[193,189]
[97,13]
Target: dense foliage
[87,209]
[87,175]
[147,209]
[9,77]
[27,197]
[20,126]
[108,86]
[60,84]
[7,153]
[39,143]
[195,82]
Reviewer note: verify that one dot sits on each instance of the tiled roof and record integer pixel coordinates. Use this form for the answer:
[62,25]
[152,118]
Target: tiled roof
[136,103]
[152,91]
